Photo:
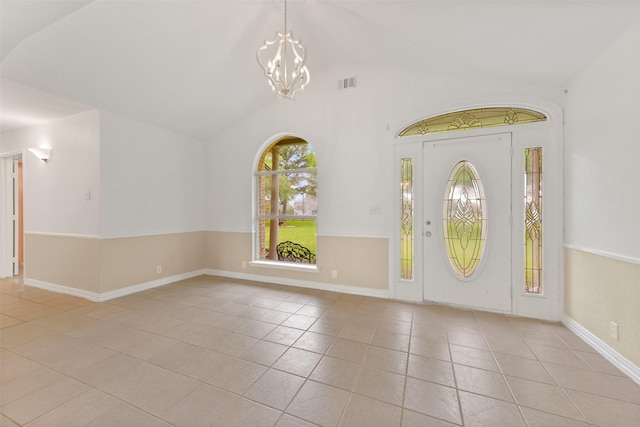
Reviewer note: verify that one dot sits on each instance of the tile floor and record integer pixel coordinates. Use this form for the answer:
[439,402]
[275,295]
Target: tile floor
[218,352]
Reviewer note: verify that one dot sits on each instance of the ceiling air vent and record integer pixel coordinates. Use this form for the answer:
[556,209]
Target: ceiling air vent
[348,83]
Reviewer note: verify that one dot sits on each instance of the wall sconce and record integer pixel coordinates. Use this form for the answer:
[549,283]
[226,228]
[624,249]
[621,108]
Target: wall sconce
[41,153]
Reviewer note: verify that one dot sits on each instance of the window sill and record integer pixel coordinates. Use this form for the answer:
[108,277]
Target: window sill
[291,266]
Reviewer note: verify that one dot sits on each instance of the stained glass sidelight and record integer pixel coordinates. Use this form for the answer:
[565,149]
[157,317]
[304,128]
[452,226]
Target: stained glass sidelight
[464,219]
[473,119]
[406,219]
[533,221]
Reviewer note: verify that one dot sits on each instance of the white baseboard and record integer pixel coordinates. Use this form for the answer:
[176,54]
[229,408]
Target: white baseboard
[61,289]
[106,296]
[346,289]
[618,360]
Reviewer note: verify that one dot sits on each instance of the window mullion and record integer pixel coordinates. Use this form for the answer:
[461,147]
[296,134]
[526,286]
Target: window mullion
[286,171]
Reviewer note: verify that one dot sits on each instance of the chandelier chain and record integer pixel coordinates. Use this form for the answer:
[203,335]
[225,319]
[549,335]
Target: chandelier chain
[285,16]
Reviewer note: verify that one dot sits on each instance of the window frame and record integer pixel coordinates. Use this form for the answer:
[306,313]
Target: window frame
[257,260]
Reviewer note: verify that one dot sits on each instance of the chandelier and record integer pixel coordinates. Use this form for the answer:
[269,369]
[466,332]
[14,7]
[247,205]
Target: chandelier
[283,62]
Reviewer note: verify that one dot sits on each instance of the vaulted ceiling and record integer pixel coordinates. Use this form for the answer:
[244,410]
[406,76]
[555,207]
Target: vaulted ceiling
[190,65]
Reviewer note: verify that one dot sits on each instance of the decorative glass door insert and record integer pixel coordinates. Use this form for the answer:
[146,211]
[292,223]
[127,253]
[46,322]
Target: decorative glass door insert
[464,219]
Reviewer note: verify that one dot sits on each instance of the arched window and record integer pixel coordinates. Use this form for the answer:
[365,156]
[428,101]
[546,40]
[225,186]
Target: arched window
[476,118]
[287,202]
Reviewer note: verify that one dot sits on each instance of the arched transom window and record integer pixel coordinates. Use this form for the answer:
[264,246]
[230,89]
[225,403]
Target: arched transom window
[476,118]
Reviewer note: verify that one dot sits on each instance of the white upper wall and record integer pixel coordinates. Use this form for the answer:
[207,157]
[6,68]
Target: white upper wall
[602,148]
[352,133]
[61,196]
[152,179]
[138,179]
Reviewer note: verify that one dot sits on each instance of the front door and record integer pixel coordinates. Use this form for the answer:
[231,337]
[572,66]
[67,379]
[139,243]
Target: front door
[467,222]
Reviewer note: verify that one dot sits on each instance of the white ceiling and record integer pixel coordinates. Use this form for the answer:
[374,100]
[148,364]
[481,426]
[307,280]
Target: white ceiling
[190,66]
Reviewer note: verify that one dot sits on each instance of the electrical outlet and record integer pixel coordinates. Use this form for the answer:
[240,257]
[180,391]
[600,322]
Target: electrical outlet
[244,264]
[334,274]
[613,330]
[158,269]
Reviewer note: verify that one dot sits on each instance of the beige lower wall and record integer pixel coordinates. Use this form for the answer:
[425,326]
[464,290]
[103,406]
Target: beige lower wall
[599,290]
[360,261]
[63,260]
[226,251]
[105,265]
[129,261]
[102,265]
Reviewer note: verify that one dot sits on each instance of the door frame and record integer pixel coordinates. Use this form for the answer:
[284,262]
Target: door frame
[549,136]
[12,216]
